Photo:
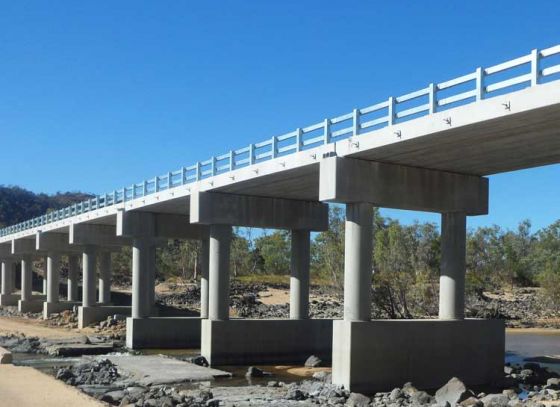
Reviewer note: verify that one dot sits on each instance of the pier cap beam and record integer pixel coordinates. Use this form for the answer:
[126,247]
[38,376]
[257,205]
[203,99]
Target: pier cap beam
[136,224]
[24,246]
[54,242]
[386,185]
[255,211]
[87,234]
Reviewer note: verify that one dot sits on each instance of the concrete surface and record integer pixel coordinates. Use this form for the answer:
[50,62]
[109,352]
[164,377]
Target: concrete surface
[163,332]
[158,369]
[386,185]
[383,354]
[54,307]
[25,386]
[90,315]
[8,299]
[30,305]
[262,341]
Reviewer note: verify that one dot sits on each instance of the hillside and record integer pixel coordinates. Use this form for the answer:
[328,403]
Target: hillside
[18,204]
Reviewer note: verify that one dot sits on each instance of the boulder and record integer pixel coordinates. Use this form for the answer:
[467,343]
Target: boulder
[553,383]
[256,372]
[495,400]
[471,402]
[313,361]
[5,356]
[357,400]
[454,392]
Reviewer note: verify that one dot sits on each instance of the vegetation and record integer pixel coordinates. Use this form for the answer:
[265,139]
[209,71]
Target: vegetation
[405,257]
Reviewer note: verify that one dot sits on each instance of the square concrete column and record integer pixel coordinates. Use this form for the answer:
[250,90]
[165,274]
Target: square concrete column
[204,266]
[88,280]
[299,278]
[141,266]
[26,278]
[151,286]
[105,278]
[73,267]
[53,277]
[357,261]
[220,241]
[453,266]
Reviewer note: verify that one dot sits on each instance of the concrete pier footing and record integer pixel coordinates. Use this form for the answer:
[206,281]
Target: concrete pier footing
[383,354]
[163,332]
[8,299]
[246,341]
[90,315]
[54,307]
[33,305]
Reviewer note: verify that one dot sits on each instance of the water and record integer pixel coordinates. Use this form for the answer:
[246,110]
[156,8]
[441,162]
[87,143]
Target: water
[541,346]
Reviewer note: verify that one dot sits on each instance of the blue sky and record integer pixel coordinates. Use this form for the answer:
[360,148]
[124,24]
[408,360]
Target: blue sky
[95,95]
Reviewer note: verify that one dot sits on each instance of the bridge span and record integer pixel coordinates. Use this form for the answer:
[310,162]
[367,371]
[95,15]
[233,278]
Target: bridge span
[429,150]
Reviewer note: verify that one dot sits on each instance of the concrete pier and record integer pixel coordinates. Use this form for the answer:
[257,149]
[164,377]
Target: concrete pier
[26,278]
[453,266]
[220,240]
[6,294]
[88,279]
[53,277]
[73,270]
[105,278]
[205,270]
[357,262]
[299,278]
[141,265]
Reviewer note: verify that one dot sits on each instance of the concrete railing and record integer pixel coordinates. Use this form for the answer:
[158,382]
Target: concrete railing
[539,66]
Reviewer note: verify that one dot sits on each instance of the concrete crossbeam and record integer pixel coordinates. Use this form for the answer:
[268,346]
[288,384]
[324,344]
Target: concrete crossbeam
[51,242]
[350,180]
[254,211]
[96,235]
[5,250]
[24,246]
[158,226]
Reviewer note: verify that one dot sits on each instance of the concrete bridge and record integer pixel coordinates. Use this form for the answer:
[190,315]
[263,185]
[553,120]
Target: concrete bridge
[429,150]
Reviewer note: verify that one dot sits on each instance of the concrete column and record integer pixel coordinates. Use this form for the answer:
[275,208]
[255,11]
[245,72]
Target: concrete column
[53,277]
[453,266]
[357,262]
[73,266]
[299,279]
[220,241]
[105,278]
[140,277]
[26,278]
[151,286]
[6,277]
[88,280]
[44,286]
[204,267]
[45,275]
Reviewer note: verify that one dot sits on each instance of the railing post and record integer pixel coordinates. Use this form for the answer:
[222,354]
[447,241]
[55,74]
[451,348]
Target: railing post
[391,111]
[327,131]
[535,69]
[156,184]
[198,171]
[183,175]
[231,160]
[479,83]
[355,122]
[251,154]
[213,165]
[299,141]
[169,182]
[432,98]
[273,147]
[144,188]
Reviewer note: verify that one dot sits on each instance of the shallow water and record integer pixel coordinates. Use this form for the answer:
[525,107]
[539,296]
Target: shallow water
[540,346]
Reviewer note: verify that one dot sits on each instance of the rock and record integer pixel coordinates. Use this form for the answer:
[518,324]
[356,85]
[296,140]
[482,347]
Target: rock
[357,400]
[409,389]
[454,392]
[114,396]
[199,360]
[272,384]
[5,356]
[296,394]
[313,361]
[396,394]
[553,383]
[322,376]
[495,400]
[256,372]
[510,393]
[64,374]
[471,402]
[421,397]
[508,369]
